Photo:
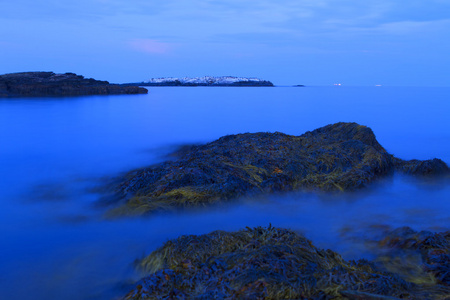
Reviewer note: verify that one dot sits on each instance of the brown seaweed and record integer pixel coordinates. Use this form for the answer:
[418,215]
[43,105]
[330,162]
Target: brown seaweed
[275,263]
[337,157]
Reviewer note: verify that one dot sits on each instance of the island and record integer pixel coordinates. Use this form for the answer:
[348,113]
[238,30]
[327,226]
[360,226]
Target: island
[335,158]
[204,81]
[50,84]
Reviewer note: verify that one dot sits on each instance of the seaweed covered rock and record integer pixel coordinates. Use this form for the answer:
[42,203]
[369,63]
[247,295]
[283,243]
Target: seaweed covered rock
[423,255]
[266,263]
[337,157]
[41,84]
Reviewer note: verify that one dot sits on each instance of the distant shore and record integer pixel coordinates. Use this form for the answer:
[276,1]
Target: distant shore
[50,84]
[204,81]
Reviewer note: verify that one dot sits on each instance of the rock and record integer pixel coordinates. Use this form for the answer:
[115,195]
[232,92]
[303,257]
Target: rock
[337,157]
[266,263]
[43,84]
[425,168]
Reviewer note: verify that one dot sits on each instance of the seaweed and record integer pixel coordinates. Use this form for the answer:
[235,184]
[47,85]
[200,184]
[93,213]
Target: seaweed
[336,158]
[270,263]
[423,256]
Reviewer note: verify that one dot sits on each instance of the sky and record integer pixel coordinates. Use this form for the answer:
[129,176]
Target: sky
[311,42]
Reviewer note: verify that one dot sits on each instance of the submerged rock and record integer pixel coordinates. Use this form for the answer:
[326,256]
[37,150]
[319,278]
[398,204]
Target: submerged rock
[337,157]
[271,263]
[41,84]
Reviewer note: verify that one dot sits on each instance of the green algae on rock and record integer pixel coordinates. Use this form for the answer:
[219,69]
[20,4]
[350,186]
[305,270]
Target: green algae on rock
[337,157]
[49,84]
[270,263]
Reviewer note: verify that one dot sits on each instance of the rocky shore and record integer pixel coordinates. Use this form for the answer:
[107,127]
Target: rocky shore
[335,158]
[44,84]
[275,263]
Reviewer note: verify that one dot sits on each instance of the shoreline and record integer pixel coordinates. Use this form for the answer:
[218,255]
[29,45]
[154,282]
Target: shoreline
[50,84]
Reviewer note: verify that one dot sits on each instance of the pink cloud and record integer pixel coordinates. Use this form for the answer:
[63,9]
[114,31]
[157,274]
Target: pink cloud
[150,46]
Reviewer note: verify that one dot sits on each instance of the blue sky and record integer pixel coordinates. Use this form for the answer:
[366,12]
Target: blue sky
[312,42]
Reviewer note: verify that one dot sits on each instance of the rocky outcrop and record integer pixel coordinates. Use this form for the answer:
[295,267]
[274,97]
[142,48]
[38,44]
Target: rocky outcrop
[43,84]
[204,81]
[338,157]
[275,263]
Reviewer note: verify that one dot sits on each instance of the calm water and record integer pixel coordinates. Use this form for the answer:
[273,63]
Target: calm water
[55,243]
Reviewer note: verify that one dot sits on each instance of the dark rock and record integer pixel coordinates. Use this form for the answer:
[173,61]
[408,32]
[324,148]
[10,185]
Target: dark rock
[430,167]
[338,157]
[267,263]
[42,84]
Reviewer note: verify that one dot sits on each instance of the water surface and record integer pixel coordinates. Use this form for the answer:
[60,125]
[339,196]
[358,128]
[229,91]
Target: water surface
[53,151]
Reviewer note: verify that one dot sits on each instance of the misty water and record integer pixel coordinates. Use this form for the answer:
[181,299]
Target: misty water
[55,152]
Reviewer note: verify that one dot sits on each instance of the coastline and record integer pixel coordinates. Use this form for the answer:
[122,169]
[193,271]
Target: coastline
[222,81]
[50,84]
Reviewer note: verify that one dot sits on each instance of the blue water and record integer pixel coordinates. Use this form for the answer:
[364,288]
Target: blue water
[56,244]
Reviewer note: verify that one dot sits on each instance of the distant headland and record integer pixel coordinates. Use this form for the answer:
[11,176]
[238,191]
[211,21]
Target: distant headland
[203,81]
[44,84]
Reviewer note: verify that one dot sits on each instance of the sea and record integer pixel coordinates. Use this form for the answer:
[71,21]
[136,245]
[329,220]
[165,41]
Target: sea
[57,155]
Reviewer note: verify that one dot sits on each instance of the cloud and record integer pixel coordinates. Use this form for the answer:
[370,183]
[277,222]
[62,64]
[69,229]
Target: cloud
[150,46]
[405,29]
